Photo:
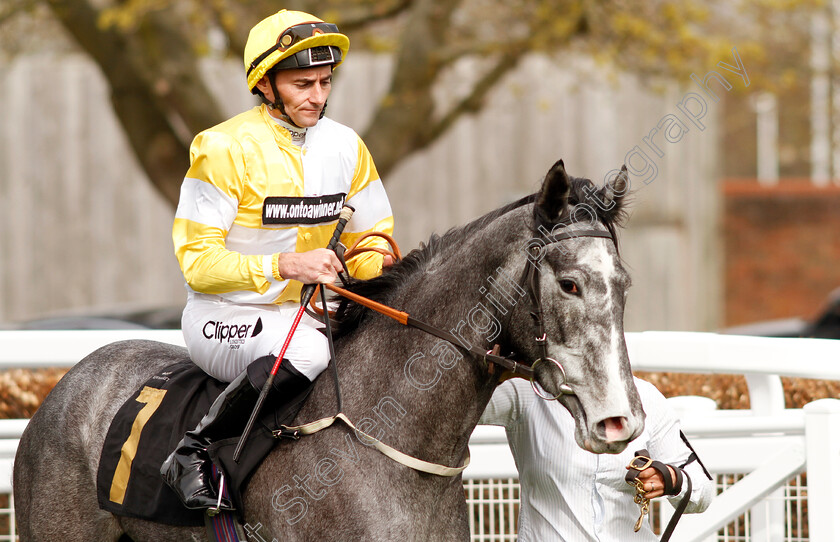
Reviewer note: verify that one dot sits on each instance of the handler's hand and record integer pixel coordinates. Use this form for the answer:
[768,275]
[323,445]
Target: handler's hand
[653,482]
[315,266]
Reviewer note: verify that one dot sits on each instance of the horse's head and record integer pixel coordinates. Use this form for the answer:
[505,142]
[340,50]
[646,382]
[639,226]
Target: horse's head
[576,281]
[561,242]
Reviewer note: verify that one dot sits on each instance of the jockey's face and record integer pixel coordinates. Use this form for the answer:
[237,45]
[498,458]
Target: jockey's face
[304,93]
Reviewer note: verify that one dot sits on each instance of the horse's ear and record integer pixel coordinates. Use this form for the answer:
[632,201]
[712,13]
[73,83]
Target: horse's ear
[554,194]
[614,192]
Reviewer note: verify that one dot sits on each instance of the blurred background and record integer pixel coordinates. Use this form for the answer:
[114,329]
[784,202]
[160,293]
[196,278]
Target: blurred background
[727,114]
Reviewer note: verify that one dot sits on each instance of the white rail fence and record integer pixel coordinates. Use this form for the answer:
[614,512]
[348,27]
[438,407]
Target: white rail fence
[757,452]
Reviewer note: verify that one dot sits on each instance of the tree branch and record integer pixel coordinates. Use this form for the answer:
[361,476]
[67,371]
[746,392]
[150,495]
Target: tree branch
[353,18]
[402,118]
[161,100]
[237,18]
[154,87]
[13,7]
[474,101]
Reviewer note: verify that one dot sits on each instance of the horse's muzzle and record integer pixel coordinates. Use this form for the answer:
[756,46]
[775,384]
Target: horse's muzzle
[609,435]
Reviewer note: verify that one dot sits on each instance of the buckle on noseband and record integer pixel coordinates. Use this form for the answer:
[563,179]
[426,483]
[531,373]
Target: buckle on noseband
[565,389]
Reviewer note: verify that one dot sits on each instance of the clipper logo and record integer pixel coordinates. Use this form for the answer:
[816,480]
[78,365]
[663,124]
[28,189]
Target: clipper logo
[235,335]
[305,210]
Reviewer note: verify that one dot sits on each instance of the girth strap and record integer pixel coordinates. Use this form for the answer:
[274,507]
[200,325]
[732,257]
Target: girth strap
[412,462]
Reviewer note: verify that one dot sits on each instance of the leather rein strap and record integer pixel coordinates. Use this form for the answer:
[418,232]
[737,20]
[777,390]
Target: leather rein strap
[531,280]
[405,319]
[530,273]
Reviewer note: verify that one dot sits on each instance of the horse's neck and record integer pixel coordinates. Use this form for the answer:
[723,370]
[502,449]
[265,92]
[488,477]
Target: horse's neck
[415,391]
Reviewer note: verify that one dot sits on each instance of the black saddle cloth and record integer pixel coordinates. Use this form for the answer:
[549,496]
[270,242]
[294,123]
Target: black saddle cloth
[149,426]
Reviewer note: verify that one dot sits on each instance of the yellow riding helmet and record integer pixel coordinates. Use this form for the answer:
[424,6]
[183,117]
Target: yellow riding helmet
[292,39]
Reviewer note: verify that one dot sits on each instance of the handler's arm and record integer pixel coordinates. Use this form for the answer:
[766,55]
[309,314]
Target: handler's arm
[668,446]
[510,399]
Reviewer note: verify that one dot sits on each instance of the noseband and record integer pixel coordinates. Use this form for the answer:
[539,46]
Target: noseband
[531,282]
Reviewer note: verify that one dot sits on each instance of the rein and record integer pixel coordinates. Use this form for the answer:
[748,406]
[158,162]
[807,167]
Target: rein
[407,320]
[642,461]
[530,279]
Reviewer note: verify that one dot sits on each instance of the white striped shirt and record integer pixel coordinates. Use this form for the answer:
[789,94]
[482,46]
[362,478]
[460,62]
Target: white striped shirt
[569,494]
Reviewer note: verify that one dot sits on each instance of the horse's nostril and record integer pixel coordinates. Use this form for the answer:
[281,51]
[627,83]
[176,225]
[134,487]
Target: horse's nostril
[614,429]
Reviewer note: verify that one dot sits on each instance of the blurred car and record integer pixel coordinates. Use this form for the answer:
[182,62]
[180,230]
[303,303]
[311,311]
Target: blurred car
[825,326]
[156,318]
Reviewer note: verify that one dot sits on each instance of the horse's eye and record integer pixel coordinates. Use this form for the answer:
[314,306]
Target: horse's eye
[569,286]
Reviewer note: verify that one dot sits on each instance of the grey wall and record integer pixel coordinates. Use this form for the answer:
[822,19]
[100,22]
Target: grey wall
[82,230]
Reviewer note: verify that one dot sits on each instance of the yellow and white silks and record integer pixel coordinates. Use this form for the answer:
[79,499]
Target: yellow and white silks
[220,241]
[251,194]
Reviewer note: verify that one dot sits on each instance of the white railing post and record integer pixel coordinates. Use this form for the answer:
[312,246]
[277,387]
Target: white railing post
[767,519]
[822,435]
[686,406]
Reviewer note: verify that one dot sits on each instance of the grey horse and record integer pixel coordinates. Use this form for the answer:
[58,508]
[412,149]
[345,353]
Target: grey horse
[415,392]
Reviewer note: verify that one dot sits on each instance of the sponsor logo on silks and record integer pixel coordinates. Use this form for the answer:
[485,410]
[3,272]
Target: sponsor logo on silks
[301,210]
[234,334]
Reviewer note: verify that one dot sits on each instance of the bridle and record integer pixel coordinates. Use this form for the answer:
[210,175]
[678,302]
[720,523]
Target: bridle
[529,281]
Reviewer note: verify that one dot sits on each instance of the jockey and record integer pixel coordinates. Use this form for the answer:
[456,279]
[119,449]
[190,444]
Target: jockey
[257,207]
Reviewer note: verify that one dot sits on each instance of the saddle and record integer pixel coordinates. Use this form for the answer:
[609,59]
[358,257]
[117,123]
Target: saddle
[149,425]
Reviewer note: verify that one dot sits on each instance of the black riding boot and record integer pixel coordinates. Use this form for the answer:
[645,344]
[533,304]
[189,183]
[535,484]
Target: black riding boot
[187,470]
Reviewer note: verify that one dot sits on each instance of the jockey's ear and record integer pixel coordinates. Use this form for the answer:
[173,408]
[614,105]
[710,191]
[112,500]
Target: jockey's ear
[554,194]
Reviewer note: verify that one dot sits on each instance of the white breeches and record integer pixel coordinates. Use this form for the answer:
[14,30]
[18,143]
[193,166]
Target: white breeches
[224,338]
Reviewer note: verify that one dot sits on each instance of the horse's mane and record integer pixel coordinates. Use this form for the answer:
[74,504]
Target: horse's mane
[351,314]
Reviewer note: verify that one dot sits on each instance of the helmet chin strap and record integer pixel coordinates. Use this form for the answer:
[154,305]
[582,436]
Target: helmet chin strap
[278,104]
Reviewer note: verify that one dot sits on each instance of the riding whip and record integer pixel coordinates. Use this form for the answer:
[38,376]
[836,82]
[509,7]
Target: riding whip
[305,296]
